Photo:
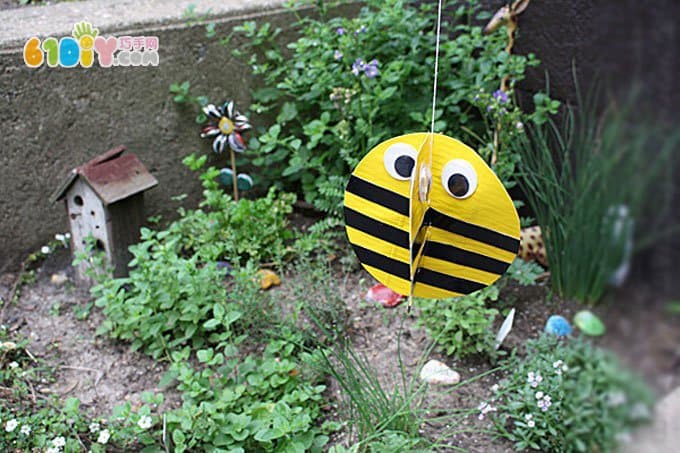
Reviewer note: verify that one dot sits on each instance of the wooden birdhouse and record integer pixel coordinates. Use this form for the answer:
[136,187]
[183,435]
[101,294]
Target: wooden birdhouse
[105,198]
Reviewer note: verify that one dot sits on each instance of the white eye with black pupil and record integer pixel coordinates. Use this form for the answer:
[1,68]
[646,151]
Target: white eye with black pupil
[459,178]
[399,160]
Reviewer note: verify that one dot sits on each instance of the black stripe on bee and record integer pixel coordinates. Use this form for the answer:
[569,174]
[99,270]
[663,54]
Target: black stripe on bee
[376,228]
[447,282]
[471,231]
[382,262]
[378,195]
[462,257]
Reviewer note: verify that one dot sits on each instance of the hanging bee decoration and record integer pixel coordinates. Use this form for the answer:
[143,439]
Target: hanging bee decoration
[427,217]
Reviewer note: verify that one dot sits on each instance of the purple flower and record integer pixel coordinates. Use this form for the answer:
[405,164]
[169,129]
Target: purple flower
[489,108]
[340,31]
[358,66]
[360,30]
[337,55]
[371,69]
[501,96]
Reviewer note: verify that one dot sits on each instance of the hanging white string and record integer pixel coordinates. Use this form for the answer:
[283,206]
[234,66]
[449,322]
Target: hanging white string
[436,66]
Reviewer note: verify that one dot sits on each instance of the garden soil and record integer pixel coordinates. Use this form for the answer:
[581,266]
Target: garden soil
[103,373]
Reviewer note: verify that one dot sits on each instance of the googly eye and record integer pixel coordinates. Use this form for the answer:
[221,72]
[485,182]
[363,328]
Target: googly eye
[399,160]
[459,178]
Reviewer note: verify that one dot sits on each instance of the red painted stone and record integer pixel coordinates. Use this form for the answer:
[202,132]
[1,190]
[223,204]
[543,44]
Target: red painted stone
[385,296]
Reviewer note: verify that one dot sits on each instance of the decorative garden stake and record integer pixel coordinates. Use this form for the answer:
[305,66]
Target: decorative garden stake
[588,323]
[104,198]
[506,16]
[532,247]
[558,325]
[505,329]
[226,125]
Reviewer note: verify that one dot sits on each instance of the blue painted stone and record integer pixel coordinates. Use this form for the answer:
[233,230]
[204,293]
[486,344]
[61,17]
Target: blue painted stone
[558,325]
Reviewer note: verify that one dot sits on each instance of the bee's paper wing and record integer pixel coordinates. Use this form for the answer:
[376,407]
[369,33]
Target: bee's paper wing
[421,182]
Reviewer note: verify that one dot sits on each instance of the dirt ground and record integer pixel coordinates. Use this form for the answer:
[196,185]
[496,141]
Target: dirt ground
[100,372]
[103,373]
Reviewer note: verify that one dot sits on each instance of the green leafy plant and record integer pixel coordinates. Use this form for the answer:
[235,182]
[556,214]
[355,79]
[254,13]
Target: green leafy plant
[347,84]
[267,403]
[566,395]
[464,325]
[589,181]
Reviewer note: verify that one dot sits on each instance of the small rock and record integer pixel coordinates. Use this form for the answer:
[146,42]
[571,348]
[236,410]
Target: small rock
[8,346]
[268,278]
[558,325]
[59,279]
[384,295]
[588,323]
[226,267]
[436,372]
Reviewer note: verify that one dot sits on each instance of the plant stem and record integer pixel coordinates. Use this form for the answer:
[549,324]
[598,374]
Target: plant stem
[233,173]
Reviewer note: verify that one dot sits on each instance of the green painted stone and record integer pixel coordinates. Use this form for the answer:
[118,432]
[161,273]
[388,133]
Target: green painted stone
[588,323]
[225,176]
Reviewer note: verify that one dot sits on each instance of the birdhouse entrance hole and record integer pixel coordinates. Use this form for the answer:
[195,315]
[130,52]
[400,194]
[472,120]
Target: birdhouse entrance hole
[78,200]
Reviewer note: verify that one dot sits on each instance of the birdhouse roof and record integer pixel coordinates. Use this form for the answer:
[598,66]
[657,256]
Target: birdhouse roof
[112,175]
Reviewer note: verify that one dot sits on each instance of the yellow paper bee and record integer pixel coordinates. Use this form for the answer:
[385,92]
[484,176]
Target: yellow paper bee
[427,217]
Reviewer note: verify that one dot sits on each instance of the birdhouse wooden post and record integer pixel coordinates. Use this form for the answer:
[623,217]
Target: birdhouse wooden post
[104,198]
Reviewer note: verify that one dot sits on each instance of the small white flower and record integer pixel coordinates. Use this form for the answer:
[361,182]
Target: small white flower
[557,364]
[94,427]
[528,417]
[52,450]
[547,398]
[616,398]
[13,365]
[558,372]
[11,425]
[144,422]
[25,430]
[67,235]
[494,388]
[539,395]
[59,441]
[45,250]
[60,237]
[104,436]
[531,423]
[624,437]
[565,368]
[519,125]
[534,379]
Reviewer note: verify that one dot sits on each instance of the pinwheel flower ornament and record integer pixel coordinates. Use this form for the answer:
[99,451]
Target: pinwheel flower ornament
[226,126]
